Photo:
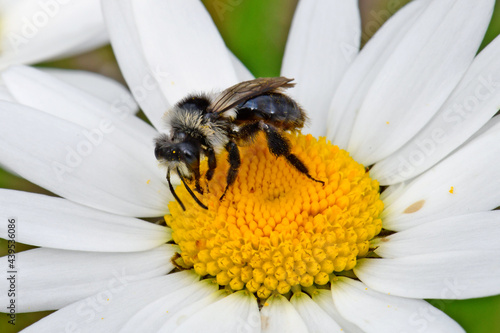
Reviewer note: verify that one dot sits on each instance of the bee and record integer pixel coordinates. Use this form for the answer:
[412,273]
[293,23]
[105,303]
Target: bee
[203,125]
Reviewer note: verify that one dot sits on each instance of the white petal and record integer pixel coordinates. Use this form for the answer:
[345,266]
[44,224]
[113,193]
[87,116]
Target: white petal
[237,312]
[323,40]
[5,94]
[242,72]
[180,37]
[153,316]
[479,231]
[473,173]
[34,88]
[51,279]
[100,86]
[473,102]
[108,310]
[143,81]
[96,165]
[418,76]
[278,315]
[448,275]
[377,312]
[323,298]
[188,311]
[392,192]
[180,51]
[30,86]
[34,31]
[58,223]
[313,316]
[364,70]
[492,123]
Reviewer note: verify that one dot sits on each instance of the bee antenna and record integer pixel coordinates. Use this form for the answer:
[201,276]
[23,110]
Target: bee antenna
[190,192]
[173,191]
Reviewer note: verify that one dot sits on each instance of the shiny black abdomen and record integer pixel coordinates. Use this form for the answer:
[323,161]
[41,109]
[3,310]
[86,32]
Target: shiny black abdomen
[274,108]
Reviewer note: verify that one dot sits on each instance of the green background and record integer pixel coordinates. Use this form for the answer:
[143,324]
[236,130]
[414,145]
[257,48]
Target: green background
[256,31]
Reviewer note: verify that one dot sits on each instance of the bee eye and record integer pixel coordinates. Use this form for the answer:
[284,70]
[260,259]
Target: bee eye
[187,154]
[159,153]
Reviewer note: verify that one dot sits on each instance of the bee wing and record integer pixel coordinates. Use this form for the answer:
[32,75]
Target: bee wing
[243,91]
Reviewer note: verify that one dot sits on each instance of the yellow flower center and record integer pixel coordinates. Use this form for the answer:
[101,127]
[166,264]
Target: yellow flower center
[276,229]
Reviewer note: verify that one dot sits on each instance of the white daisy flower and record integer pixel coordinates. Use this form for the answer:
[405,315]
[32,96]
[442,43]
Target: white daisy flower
[33,31]
[280,253]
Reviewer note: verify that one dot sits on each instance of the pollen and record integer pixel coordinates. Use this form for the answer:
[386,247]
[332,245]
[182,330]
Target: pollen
[277,230]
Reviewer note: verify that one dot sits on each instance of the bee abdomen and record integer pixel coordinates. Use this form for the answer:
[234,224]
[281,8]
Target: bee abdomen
[274,108]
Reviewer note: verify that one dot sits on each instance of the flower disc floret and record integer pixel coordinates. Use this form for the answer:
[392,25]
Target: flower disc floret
[276,229]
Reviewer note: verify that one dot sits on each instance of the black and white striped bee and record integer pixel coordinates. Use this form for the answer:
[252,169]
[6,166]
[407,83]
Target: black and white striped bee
[204,125]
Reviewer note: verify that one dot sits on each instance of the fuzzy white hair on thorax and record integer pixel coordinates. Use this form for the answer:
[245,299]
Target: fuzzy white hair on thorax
[192,122]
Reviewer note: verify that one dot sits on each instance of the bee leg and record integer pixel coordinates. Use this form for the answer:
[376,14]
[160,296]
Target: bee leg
[196,171]
[247,132]
[279,146]
[212,164]
[173,191]
[190,191]
[234,164]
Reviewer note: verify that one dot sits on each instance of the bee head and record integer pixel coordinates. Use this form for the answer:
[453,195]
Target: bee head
[185,152]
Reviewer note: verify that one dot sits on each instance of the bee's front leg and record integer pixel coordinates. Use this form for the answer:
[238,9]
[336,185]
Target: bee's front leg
[173,191]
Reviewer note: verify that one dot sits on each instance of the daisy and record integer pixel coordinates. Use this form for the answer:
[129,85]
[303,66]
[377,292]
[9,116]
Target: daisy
[280,253]
[35,31]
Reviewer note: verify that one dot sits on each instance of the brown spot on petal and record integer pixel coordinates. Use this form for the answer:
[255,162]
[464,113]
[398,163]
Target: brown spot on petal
[264,322]
[415,207]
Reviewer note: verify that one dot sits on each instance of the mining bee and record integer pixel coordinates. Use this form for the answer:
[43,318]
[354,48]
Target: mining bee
[203,125]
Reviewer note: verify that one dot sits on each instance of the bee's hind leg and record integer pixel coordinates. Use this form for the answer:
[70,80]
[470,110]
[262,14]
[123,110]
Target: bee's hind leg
[279,146]
[234,165]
